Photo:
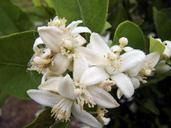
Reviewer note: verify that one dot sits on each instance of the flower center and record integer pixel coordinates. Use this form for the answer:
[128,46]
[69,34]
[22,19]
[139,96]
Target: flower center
[68,52]
[62,110]
[83,96]
[113,63]
[40,60]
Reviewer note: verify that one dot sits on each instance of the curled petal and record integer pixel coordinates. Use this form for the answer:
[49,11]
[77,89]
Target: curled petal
[37,42]
[124,84]
[44,97]
[102,98]
[85,117]
[81,30]
[93,75]
[51,36]
[74,24]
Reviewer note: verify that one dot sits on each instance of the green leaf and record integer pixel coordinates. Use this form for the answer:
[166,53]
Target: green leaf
[12,18]
[15,53]
[156,46]
[37,3]
[131,31]
[162,23]
[106,27]
[118,16]
[92,12]
[45,120]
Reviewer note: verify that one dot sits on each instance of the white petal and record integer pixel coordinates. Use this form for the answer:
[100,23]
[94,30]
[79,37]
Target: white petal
[128,49]
[167,50]
[51,36]
[119,93]
[136,69]
[106,38]
[74,24]
[92,76]
[81,30]
[44,97]
[102,98]
[162,67]
[124,84]
[37,42]
[152,59]
[80,65]
[59,64]
[135,82]
[115,48]
[92,57]
[131,59]
[85,117]
[61,85]
[98,44]
[79,40]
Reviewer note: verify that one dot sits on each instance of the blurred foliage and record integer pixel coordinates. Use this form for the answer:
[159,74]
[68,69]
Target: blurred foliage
[13,64]
[150,107]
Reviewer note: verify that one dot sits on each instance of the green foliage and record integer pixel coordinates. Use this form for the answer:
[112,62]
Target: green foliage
[156,45]
[162,23]
[92,12]
[118,16]
[131,31]
[15,52]
[12,18]
[45,120]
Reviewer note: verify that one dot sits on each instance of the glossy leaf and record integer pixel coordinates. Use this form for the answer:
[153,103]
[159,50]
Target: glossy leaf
[156,45]
[92,12]
[15,53]
[12,18]
[131,31]
[162,23]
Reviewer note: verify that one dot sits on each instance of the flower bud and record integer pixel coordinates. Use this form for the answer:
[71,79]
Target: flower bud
[123,41]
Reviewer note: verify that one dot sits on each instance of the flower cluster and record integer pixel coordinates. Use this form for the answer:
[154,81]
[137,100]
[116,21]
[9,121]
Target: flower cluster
[78,75]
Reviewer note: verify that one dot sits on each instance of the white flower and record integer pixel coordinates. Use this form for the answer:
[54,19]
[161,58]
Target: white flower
[62,40]
[58,93]
[86,85]
[163,67]
[114,63]
[140,72]
[167,51]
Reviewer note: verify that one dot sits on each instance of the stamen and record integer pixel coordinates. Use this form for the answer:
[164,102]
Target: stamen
[62,110]
[83,96]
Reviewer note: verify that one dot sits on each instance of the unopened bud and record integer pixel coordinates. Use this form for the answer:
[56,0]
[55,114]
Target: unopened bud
[123,41]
